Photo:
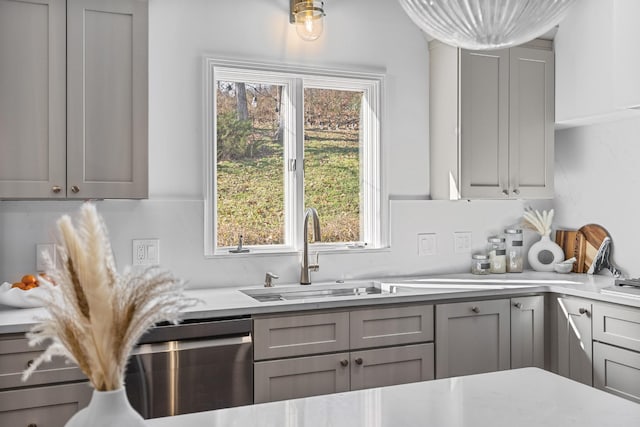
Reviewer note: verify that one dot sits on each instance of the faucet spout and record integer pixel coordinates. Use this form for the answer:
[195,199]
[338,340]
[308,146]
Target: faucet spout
[305,278]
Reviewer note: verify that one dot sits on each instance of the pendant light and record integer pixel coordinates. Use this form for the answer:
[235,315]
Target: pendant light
[308,16]
[486,24]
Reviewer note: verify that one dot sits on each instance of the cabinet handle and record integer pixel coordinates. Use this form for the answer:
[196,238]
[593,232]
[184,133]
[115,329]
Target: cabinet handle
[518,305]
[583,311]
[505,192]
[56,189]
[32,425]
[359,361]
[475,309]
[75,188]
[29,363]
[344,362]
[516,191]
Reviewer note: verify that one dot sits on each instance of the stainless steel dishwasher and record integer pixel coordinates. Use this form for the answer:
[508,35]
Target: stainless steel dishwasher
[198,365]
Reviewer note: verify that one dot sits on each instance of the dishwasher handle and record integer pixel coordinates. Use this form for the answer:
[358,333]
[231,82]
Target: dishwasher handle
[179,346]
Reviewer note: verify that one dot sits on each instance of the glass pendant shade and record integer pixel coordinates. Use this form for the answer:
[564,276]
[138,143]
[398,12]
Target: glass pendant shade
[309,19]
[486,24]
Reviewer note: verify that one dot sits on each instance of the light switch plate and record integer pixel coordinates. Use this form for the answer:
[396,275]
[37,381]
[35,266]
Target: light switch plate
[146,252]
[427,244]
[462,242]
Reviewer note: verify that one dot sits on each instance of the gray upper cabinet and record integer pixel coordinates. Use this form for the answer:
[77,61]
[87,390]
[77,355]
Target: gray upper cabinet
[491,122]
[472,338]
[32,98]
[573,334]
[107,99]
[73,99]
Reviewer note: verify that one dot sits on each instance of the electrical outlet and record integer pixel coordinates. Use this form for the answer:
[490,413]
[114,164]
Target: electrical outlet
[462,242]
[44,251]
[427,244]
[146,252]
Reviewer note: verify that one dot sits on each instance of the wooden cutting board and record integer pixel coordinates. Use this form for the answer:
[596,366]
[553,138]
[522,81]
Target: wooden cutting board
[589,245]
[572,243]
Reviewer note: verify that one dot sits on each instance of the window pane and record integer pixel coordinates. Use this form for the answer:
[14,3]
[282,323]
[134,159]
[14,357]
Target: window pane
[332,161]
[250,169]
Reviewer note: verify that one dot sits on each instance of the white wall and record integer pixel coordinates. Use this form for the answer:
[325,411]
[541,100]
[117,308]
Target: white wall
[358,34]
[598,181]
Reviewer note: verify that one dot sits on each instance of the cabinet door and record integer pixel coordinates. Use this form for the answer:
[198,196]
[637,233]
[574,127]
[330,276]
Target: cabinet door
[107,99]
[472,338]
[531,121]
[391,326]
[301,377]
[50,406]
[484,116]
[626,61]
[574,339]
[527,332]
[617,371]
[391,366]
[32,98]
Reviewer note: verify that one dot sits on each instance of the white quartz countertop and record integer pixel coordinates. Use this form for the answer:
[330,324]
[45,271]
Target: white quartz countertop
[528,397]
[223,302]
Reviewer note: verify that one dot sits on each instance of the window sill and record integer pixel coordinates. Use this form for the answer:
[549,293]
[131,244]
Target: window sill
[333,250]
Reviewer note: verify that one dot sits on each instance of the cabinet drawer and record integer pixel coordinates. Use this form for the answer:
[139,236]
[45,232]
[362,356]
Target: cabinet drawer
[43,406]
[390,366]
[616,371]
[391,326]
[616,325]
[301,377]
[299,335]
[16,355]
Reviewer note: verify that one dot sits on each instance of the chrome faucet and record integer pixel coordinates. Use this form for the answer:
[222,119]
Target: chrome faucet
[305,278]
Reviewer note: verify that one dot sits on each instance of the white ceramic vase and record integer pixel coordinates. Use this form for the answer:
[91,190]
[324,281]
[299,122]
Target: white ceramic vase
[544,254]
[107,409]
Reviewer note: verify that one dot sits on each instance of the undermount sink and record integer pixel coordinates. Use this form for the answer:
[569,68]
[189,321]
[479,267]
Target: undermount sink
[319,291]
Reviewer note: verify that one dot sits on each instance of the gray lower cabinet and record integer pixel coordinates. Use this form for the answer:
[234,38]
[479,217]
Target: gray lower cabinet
[49,406]
[527,332]
[616,350]
[302,354]
[73,99]
[472,337]
[617,371]
[573,334]
[300,377]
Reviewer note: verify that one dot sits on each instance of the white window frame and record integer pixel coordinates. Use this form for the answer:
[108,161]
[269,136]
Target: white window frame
[294,79]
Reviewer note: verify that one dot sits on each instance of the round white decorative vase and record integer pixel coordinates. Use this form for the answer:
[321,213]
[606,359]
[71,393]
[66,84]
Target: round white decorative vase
[107,409]
[544,253]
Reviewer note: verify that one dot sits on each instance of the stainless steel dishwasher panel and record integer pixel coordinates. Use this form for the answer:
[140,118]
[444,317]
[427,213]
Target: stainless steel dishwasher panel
[183,376]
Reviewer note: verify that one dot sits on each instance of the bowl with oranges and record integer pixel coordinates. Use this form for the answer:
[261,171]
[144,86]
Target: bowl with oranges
[30,291]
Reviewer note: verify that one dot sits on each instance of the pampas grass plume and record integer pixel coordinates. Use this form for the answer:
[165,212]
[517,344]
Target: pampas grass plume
[97,315]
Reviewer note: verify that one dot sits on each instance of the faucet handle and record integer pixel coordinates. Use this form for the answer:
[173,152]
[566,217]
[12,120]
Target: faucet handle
[315,265]
[268,279]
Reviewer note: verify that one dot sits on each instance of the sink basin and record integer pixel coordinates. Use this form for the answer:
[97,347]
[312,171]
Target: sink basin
[320,291]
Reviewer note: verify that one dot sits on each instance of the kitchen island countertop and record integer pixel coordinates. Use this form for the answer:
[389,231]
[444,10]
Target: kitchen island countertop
[528,397]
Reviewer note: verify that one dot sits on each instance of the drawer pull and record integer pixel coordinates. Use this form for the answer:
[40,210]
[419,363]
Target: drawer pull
[518,305]
[344,362]
[29,363]
[475,309]
[583,310]
[359,361]
[32,425]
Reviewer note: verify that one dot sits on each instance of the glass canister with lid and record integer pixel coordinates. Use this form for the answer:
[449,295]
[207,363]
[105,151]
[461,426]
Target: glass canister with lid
[480,264]
[514,242]
[497,254]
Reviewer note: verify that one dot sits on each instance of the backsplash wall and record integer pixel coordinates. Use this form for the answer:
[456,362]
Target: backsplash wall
[597,181]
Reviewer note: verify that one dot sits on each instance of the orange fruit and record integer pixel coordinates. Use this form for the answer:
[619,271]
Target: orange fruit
[29,278]
[17,285]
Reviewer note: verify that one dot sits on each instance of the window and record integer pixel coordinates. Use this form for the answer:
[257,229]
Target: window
[281,139]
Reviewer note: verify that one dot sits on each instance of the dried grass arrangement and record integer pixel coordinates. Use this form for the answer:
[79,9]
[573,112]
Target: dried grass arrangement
[98,315]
